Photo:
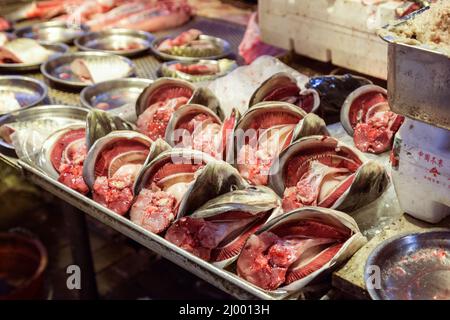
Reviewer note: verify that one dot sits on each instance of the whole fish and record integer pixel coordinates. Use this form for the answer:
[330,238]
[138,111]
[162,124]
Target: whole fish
[23,50]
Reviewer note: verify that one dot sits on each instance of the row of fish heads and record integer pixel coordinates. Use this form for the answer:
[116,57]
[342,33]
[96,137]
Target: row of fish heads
[218,189]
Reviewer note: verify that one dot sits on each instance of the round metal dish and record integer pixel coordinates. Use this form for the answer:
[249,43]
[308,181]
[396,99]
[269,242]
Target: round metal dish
[410,267]
[125,42]
[57,48]
[117,96]
[52,32]
[28,91]
[225,45]
[52,68]
[57,116]
[164,72]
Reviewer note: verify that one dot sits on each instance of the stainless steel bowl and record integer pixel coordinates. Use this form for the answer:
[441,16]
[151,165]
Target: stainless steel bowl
[53,32]
[125,42]
[225,45]
[418,79]
[54,67]
[58,116]
[115,96]
[410,267]
[29,92]
[57,48]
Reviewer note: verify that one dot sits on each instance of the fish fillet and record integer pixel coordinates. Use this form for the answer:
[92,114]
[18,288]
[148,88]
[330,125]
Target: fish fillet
[24,50]
[100,69]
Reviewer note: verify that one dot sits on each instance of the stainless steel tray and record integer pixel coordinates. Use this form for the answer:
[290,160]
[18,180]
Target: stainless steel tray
[57,48]
[116,96]
[220,278]
[52,32]
[410,267]
[29,92]
[115,40]
[418,80]
[52,68]
[226,50]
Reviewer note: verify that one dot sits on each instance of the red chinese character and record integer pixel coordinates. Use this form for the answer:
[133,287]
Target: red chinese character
[433,160]
[427,157]
[434,171]
[420,154]
[440,163]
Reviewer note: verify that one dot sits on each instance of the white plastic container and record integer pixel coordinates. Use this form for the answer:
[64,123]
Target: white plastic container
[421,170]
[337,31]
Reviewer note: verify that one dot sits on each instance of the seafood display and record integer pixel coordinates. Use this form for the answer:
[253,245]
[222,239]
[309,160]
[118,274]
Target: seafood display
[111,167]
[198,127]
[66,149]
[191,43]
[264,131]
[366,116]
[292,250]
[283,87]
[162,185]
[321,171]
[24,50]
[63,153]
[217,230]
[98,69]
[157,102]
[203,70]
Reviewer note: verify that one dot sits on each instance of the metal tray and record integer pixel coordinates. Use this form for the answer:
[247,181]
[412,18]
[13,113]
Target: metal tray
[418,80]
[411,267]
[59,115]
[60,64]
[114,40]
[226,49]
[52,32]
[57,48]
[117,96]
[190,77]
[29,92]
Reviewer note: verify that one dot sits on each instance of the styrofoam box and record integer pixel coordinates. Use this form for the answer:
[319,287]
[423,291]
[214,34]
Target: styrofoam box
[334,31]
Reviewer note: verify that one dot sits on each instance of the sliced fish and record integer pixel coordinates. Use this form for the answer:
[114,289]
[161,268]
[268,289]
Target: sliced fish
[100,69]
[24,50]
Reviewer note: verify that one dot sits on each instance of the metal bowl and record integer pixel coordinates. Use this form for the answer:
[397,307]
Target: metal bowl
[52,32]
[57,48]
[116,96]
[125,42]
[225,45]
[28,91]
[410,267]
[58,115]
[163,71]
[52,68]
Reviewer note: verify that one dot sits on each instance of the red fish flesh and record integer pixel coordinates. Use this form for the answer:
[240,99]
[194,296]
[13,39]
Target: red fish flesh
[156,204]
[67,156]
[217,238]
[196,69]
[289,252]
[374,125]
[116,170]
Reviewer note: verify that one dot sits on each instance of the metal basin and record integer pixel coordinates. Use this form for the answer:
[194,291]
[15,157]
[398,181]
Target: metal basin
[410,267]
[52,32]
[125,42]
